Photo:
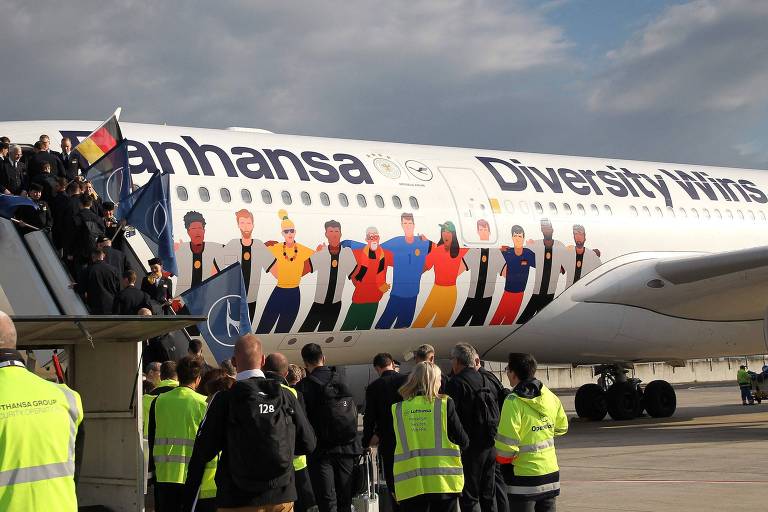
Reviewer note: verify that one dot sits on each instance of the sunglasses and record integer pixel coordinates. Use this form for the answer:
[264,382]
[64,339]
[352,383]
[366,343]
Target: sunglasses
[288,231]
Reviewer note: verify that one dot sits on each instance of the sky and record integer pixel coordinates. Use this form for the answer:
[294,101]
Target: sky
[675,81]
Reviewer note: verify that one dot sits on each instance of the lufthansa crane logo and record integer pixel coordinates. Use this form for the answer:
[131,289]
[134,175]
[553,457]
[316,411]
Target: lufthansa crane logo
[418,170]
[221,324]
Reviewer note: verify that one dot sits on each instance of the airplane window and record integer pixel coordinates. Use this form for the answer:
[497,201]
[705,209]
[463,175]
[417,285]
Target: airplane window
[538,207]
[379,201]
[553,208]
[740,214]
[343,201]
[705,212]
[751,214]
[694,213]
[204,195]
[362,202]
[510,206]
[306,199]
[524,207]
[671,211]
[287,199]
[245,194]
[646,211]
[717,213]
[397,202]
[608,209]
[266,196]
[225,195]
[633,211]
[325,199]
[567,209]
[414,202]
[658,212]
[682,213]
[593,209]
[728,215]
[181,193]
[580,209]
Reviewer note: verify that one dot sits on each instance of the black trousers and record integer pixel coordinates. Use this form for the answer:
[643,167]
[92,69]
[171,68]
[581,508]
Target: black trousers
[305,501]
[331,475]
[545,505]
[321,317]
[430,503]
[169,497]
[502,504]
[536,304]
[387,455]
[479,494]
[474,311]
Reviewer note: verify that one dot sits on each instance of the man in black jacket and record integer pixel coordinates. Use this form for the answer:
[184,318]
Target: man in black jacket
[378,427]
[113,256]
[330,466]
[236,473]
[38,216]
[89,227]
[470,390]
[13,173]
[159,288]
[502,503]
[130,299]
[101,285]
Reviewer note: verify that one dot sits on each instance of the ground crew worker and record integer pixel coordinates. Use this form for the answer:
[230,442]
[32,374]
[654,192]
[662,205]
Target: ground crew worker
[745,385]
[168,381]
[429,438]
[39,423]
[531,418]
[276,367]
[174,418]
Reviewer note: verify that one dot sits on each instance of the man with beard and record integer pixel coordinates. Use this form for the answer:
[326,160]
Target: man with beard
[253,256]
[370,280]
[333,264]
[550,255]
[195,260]
[580,260]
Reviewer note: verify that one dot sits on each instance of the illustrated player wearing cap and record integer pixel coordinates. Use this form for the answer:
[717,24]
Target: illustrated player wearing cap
[289,266]
[253,256]
[370,280]
[195,260]
[484,266]
[550,261]
[447,260]
[157,286]
[580,260]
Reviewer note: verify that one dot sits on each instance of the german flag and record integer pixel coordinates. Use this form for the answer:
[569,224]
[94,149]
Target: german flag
[101,141]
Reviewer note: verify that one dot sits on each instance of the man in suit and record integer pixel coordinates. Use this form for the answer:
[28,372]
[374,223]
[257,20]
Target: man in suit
[71,162]
[130,299]
[42,155]
[13,173]
[113,256]
[158,287]
[100,285]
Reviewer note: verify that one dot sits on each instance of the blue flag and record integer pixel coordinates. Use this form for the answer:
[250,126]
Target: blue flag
[151,215]
[8,204]
[222,299]
[111,176]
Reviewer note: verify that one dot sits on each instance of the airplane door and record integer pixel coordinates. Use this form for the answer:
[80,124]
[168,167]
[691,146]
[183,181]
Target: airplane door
[471,202]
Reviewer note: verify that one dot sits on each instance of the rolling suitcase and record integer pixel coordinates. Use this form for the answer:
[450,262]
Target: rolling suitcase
[368,501]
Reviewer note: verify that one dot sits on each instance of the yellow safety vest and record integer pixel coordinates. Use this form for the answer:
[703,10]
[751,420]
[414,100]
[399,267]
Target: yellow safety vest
[299,462]
[426,461]
[527,431]
[38,426]
[178,414]
[743,378]
[146,402]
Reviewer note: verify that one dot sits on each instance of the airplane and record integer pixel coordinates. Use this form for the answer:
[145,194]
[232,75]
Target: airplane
[365,246]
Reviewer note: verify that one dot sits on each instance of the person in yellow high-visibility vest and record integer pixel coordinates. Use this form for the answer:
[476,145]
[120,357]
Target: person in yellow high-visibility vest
[745,385]
[39,424]
[174,418]
[525,443]
[427,467]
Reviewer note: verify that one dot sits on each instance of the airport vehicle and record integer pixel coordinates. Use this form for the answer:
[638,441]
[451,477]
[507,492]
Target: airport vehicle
[634,261]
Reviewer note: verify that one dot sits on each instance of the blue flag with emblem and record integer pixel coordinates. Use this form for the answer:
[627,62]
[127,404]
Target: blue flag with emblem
[222,299]
[150,214]
[8,204]
[111,176]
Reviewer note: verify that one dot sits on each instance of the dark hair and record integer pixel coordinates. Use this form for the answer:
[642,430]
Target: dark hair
[108,205]
[191,217]
[168,370]
[518,229]
[4,145]
[311,353]
[275,364]
[6,140]
[189,369]
[130,275]
[332,224]
[454,243]
[36,187]
[38,145]
[382,360]
[73,188]
[524,365]
[195,346]
[97,254]
[86,200]
[214,381]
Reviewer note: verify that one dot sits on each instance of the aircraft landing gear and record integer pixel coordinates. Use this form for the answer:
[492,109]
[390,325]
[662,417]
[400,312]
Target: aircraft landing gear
[622,397]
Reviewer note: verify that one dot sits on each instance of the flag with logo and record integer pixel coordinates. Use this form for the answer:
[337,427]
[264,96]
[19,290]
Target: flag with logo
[101,141]
[9,204]
[111,176]
[150,213]
[222,299]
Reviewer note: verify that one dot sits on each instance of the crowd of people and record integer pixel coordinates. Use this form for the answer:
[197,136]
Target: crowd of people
[261,434]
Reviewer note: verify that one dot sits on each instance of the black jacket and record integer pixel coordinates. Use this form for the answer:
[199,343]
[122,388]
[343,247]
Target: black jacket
[13,179]
[71,163]
[212,439]
[379,397]
[100,287]
[48,182]
[463,389]
[117,259]
[159,291]
[129,301]
[35,164]
[313,399]
[39,217]
[88,227]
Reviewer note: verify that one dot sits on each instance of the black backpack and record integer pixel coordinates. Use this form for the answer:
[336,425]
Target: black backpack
[338,412]
[260,435]
[485,411]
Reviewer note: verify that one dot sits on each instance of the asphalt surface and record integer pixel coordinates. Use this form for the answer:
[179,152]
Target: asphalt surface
[712,455]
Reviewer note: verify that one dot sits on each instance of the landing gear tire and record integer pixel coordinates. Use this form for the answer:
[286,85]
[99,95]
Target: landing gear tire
[623,401]
[590,402]
[660,399]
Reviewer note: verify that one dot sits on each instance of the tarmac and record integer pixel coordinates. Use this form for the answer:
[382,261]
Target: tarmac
[712,455]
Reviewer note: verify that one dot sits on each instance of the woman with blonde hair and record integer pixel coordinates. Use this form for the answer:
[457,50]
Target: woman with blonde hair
[427,472]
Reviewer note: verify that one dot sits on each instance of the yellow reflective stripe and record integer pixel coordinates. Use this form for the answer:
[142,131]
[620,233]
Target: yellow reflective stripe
[74,416]
[427,452]
[438,450]
[162,441]
[37,473]
[401,426]
[532,489]
[541,445]
[182,459]
[507,440]
[428,472]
